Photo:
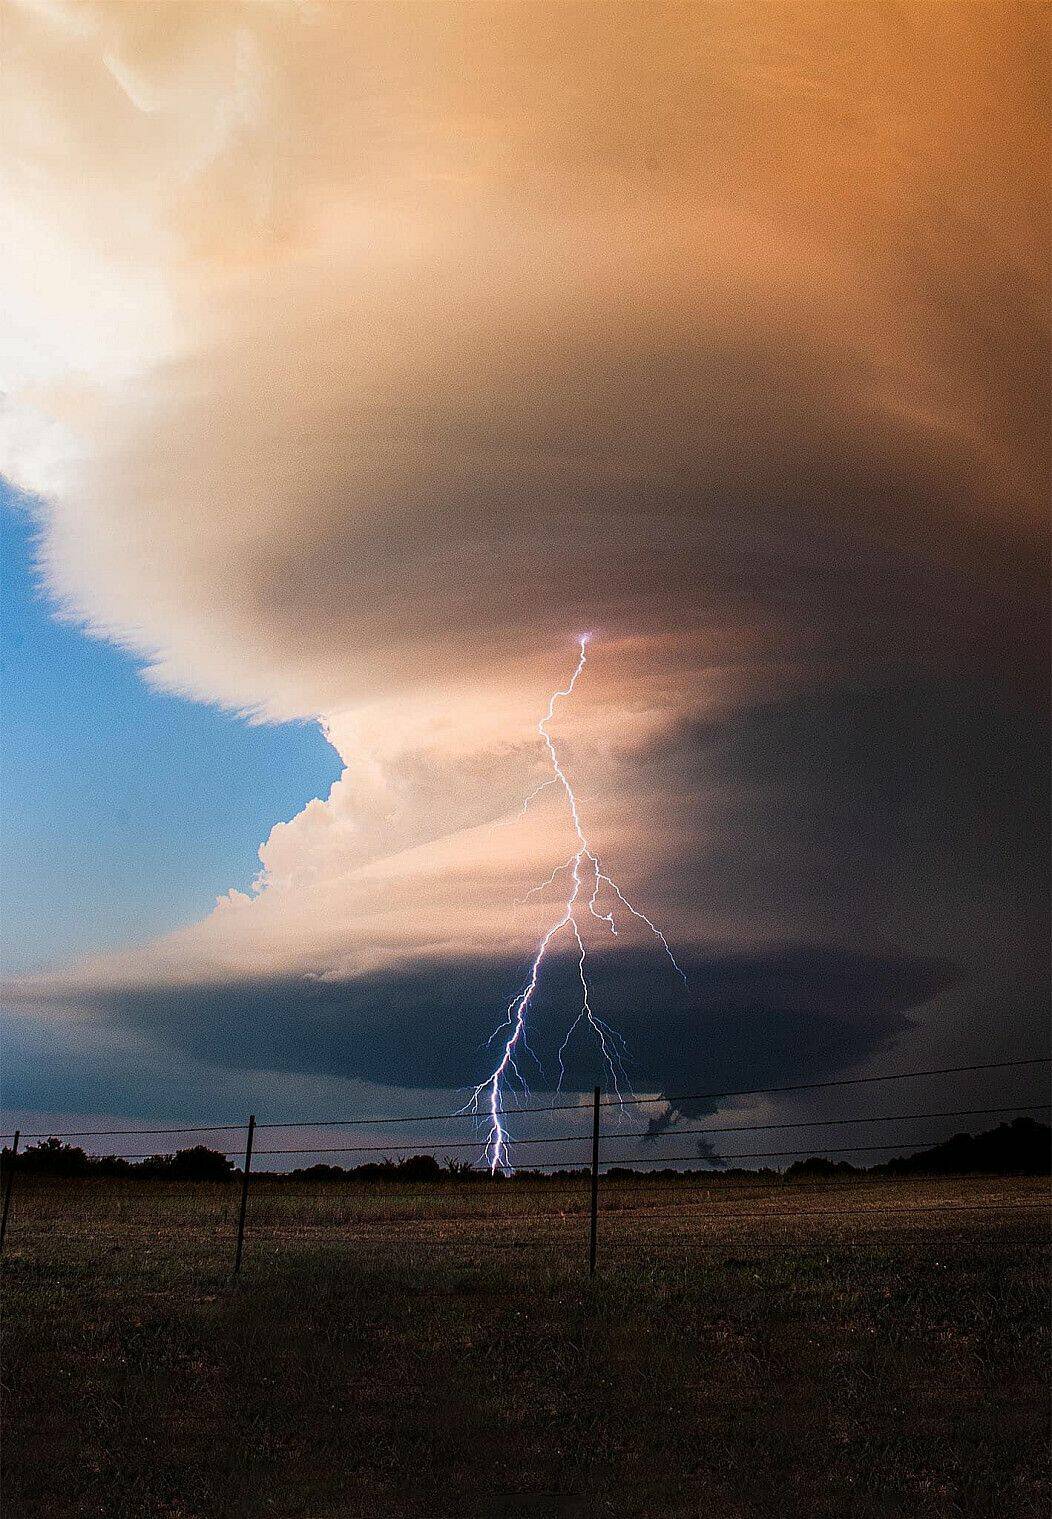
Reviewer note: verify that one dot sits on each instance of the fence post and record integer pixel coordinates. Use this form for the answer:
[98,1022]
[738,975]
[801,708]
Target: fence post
[8,1184]
[594,1236]
[244,1194]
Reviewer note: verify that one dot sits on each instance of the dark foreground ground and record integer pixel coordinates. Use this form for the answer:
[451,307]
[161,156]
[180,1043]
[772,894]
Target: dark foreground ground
[748,1348]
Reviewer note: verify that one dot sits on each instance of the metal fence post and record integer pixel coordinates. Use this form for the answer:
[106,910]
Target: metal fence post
[244,1194]
[8,1184]
[593,1239]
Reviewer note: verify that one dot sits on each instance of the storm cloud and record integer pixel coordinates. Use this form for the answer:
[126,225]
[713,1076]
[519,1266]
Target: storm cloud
[389,348]
[801,1013]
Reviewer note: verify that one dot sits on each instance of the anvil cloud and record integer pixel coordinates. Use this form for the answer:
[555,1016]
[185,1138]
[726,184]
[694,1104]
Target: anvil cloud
[362,356]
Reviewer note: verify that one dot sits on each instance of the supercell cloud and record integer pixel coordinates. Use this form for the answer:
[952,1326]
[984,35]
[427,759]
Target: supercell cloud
[362,356]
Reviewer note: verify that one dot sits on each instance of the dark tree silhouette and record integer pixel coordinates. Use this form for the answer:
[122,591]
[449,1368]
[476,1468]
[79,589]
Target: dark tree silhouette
[195,1164]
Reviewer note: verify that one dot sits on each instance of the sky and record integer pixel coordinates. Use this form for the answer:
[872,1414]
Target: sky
[132,808]
[358,360]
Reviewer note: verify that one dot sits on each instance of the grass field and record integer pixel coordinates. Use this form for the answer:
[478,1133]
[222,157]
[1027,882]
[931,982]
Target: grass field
[758,1348]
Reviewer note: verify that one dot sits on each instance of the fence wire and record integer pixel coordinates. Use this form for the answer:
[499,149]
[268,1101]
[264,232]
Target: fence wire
[671,1101]
[599,1163]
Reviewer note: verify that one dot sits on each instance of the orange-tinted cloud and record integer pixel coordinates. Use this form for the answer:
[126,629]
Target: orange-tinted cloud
[364,355]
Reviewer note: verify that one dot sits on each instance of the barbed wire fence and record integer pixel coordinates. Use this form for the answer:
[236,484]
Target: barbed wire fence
[594,1141]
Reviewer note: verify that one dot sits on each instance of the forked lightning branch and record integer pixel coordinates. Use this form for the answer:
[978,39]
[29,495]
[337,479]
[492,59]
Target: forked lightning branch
[592,891]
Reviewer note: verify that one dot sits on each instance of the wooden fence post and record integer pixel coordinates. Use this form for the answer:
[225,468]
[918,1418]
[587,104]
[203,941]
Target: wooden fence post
[8,1184]
[593,1239]
[244,1194]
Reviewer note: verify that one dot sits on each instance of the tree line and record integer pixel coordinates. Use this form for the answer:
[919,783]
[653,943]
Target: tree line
[1020,1148]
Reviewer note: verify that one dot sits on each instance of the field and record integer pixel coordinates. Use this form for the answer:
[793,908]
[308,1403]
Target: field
[747,1348]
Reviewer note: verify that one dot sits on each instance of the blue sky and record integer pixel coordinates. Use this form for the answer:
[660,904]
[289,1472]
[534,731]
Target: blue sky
[125,812]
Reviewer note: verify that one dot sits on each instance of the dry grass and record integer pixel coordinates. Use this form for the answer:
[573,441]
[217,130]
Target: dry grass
[748,1348]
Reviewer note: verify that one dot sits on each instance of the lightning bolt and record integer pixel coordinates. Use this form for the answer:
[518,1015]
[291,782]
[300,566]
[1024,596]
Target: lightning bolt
[588,882]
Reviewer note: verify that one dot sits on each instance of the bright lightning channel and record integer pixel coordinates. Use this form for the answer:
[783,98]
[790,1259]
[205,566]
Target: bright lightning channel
[587,883]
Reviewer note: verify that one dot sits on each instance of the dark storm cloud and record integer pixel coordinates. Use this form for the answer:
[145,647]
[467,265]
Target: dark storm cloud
[743,1020]
[892,807]
[873,788]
